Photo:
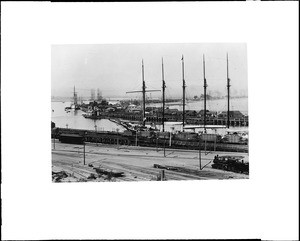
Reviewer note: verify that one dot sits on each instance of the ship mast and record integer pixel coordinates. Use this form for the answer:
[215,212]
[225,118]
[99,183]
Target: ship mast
[228,93]
[163,95]
[205,85]
[183,94]
[144,95]
[75,97]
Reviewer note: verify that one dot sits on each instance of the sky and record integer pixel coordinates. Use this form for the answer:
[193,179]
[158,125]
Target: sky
[117,68]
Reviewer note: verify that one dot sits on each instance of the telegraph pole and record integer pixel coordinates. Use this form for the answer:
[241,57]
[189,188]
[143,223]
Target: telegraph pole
[117,137]
[183,94]
[136,137]
[164,148]
[157,142]
[200,152]
[228,93]
[163,95]
[84,148]
[56,132]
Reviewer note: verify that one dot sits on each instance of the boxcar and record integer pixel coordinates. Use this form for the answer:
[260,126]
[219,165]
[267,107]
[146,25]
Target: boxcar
[210,137]
[71,138]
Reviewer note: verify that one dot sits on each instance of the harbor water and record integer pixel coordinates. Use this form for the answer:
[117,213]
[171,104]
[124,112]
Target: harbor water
[238,104]
[74,119]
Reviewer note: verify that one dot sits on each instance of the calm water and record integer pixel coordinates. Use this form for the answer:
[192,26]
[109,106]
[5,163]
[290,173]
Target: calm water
[74,119]
[240,104]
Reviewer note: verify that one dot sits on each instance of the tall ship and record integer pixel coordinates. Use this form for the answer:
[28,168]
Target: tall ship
[203,119]
[74,105]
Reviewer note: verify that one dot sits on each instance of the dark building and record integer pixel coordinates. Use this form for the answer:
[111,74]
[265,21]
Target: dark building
[232,114]
[208,113]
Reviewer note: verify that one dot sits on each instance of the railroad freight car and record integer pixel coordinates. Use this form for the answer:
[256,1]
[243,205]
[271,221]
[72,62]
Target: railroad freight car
[71,138]
[232,138]
[127,133]
[186,136]
[210,137]
[163,135]
[145,133]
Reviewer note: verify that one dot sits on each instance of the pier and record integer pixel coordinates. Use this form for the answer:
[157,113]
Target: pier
[233,122]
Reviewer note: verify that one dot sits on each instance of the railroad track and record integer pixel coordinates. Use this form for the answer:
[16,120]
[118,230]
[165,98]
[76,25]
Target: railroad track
[153,172]
[133,172]
[92,152]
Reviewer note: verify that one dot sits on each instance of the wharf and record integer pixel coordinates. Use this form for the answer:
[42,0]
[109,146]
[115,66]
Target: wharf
[190,120]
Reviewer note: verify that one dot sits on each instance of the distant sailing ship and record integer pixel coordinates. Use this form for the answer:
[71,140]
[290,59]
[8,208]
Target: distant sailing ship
[74,105]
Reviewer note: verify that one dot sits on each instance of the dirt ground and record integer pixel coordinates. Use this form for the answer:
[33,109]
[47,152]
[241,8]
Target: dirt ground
[135,162]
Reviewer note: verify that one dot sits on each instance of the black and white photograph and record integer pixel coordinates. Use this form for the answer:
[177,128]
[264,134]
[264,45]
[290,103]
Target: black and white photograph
[149,112]
[169,120]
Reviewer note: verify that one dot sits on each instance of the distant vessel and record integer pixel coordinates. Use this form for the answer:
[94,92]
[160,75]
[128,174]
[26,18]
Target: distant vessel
[73,106]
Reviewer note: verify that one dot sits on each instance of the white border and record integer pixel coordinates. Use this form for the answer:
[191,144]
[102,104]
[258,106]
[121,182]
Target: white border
[265,206]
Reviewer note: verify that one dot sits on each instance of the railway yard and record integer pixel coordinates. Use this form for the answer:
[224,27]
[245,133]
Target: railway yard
[112,163]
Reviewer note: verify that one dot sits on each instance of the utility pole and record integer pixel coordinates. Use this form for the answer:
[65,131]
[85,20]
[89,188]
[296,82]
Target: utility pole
[136,138]
[200,152]
[171,132]
[215,140]
[56,132]
[228,92]
[163,95]
[205,85]
[117,137]
[54,141]
[164,147]
[96,133]
[157,142]
[84,148]
[183,94]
